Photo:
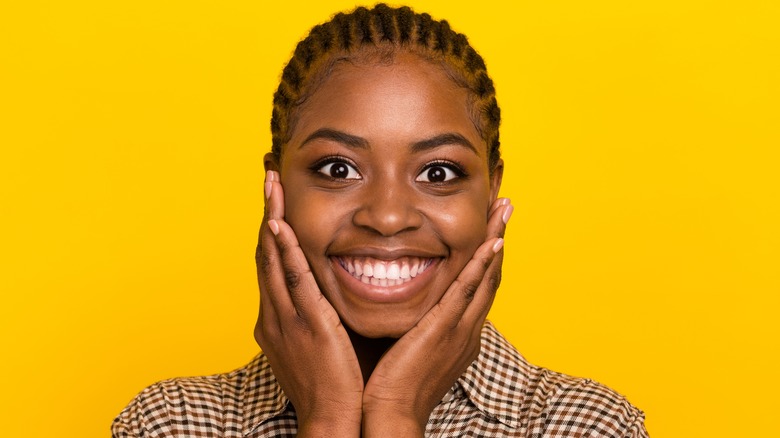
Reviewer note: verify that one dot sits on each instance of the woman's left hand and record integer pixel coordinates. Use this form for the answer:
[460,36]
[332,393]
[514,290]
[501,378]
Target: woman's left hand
[415,374]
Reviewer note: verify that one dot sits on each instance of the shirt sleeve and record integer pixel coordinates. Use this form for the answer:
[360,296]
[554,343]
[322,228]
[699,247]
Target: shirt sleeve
[127,423]
[637,429]
[582,407]
[139,418]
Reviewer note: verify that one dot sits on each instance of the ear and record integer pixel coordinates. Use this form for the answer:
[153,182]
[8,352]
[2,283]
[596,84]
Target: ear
[495,179]
[270,162]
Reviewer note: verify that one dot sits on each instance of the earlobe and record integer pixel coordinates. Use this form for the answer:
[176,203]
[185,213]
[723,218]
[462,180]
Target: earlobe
[270,162]
[495,180]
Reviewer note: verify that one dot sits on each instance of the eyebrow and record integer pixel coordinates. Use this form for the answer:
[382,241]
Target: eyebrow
[353,141]
[450,138]
[350,140]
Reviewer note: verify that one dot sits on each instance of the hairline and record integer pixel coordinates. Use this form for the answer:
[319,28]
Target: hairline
[383,53]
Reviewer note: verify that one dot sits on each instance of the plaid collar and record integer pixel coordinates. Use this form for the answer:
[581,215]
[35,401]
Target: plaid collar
[494,383]
[262,397]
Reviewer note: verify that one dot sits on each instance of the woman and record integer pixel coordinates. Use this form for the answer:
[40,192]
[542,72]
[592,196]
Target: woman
[379,256]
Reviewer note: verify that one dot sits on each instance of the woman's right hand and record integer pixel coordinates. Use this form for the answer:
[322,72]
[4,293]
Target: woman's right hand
[301,334]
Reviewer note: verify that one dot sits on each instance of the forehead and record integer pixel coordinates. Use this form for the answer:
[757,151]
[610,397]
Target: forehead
[405,100]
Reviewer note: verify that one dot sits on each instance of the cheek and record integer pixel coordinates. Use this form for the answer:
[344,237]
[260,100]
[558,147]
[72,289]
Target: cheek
[462,225]
[314,221]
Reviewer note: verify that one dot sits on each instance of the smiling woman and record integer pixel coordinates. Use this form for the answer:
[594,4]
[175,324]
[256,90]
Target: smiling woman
[382,166]
[380,253]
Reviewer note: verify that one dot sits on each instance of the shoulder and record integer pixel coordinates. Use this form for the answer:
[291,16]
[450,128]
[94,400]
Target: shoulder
[553,404]
[563,405]
[186,406]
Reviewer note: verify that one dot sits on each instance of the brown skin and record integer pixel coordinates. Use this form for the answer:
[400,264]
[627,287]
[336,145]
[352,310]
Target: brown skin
[352,364]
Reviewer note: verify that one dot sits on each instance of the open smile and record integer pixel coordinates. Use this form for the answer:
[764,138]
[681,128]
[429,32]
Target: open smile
[386,273]
[384,281]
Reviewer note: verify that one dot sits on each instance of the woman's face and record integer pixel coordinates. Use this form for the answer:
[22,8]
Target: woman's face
[387,187]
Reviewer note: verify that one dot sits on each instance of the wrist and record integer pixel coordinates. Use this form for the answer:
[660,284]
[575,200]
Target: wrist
[342,422]
[339,427]
[383,423]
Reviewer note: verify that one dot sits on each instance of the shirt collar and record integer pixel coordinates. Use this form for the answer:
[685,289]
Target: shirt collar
[262,396]
[494,382]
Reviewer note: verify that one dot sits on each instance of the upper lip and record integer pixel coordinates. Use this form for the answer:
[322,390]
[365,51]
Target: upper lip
[384,253]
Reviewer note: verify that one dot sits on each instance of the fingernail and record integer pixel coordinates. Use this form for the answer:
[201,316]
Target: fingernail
[496,246]
[268,176]
[273,175]
[503,201]
[507,214]
[268,186]
[273,226]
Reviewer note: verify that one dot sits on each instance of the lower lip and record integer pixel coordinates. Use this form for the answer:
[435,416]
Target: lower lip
[384,294]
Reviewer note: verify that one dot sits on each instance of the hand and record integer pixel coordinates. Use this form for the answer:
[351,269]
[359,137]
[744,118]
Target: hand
[415,374]
[300,332]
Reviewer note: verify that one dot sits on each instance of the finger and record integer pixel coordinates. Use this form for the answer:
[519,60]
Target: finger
[478,309]
[297,277]
[491,279]
[267,319]
[499,218]
[267,256]
[498,203]
[480,277]
[465,287]
[274,195]
[271,272]
[267,187]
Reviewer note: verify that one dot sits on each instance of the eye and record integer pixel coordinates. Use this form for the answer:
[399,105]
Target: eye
[339,170]
[438,173]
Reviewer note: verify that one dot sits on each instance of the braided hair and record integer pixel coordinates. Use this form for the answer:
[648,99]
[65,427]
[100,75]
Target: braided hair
[376,34]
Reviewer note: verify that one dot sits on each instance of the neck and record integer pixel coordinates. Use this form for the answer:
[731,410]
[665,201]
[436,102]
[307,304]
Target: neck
[369,351]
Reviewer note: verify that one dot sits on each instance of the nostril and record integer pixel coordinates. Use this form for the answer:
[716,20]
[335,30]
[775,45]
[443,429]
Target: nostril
[388,221]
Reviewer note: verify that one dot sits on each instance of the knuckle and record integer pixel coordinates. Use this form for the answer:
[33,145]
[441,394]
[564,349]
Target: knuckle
[435,312]
[485,262]
[292,279]
[469,289]
[266,264]
[258,252]
[301,324]
[494,280]
[427,324]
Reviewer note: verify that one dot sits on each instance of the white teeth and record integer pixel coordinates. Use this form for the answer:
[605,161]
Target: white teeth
[385,273]
[379,271]
[393,272]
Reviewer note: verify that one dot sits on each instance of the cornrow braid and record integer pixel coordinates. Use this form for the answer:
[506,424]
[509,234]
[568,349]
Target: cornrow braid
[383,30]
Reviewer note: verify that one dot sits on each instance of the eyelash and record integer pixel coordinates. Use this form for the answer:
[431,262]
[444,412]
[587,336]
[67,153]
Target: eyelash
[316,168]
[455,167]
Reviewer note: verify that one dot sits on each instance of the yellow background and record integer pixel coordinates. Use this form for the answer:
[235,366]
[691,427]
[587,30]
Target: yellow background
[641,145]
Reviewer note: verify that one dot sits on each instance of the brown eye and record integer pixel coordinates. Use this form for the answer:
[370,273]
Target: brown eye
[437,174]
[339,170]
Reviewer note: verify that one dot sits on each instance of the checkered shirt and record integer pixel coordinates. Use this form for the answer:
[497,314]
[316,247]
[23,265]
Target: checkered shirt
[499,395]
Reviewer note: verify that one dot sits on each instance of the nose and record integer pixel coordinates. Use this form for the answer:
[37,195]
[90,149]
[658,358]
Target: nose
[388,208]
